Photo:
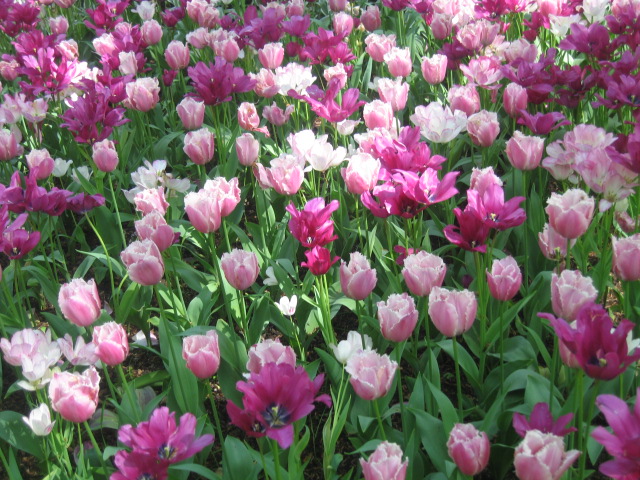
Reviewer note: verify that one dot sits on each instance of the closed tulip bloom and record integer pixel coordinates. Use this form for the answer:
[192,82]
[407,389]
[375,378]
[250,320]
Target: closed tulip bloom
[240,268]
[370,18]
[248,149]
[227,191]
[79,302]
[515,99]
[343,24]
[191,113]
[525,152]
[154,227]
[452,312]
[41,161]
[142,94]
[199,145]
[144,262]
[464,98]
[202,354]
[371,374]
[483,128]
[434,68]
[570,213]
[39,420]
[542,456]
[378,114]
[469,448]
[422,271]
[394,92]
[398,317]
[58,25]
[9,144]
[551,243]
[385,463]
[206,207]
[105,155]
[112,344]
[269,351]
[398,61]
[357,278]
[151,200]
[569,292]
[354,343]
[271,55]
[151,32]
[361,173]
[626,258]
[504,279]
[177,55]
[75,395]
[319,260]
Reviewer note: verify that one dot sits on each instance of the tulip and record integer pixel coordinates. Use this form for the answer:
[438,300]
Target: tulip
[269,351]
[355,343]
[385,463]
[542,456]
[79,302]
[398,317]
[569,292]
[75,395]
[515,99]
[319,260]
[379,45]
[361,173]
[524,152]
[626,258]
[151,32]
[271,55]
[151,200]
[199,145]
[191,113]
[144,262]
[483,128]
[9,144]
[464,98]
[112,344]
[469,448]
[551,243]
[434,69]
[452,312]
[202,354]
[357,278]
[371,374]
[154,227]
[504,279]
[398,61]
[248,149]
[128,63]
[343,24]
[142,94]
[240,268]
[41,162]
[422,271]
[370,18]
[395,93]
[105,156]
[177,55]
[39,420]
[570,213]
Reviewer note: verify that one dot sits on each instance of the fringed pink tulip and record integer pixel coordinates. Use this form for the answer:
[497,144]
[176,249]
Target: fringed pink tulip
[398,317]
[469,448]
[202,354]
[240,268]
[79,302]
[357,278]
[452,312]
[112,344]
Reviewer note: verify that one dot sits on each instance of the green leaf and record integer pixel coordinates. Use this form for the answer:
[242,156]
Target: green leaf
[433,436]
[242,465]
[447,410]
[465,360]
[15,432]
[204,472]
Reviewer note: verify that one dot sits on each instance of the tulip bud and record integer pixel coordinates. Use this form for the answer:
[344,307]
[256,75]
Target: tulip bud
[202,354]
[452,312]
[357,278]
[385,463]
[191,113]
[199,145]
[398,317]
[240,268]
[105,156]
[504,279]
[422,271]
[79,302]
[112,344]
[248,149]
[469,448]
[144,262]
[626,258]
[542,456]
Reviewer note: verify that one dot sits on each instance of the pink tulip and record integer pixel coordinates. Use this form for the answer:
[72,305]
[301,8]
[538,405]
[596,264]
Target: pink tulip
[75,395]
[483,128]
[394,92]
[79,302]
[9,144]
[422,271]
[542,456]
[271,55]
[469,448]
[337,5]
[551,243]
[371,374]
[128,63]
[434,69]
[379,45]
[504,279]
[151,32]
[514,99]
[398,61]
[398,317]
[370,18]
[41,161]
[378,114]
[269,351]
[570,292]
[177,55]
[285,175]
[154,227]
[227,191]
[150,200]
[105,156]
[199,145]
[483,179]
[452,312]
[58,25]
[248,117]
[247,149]
[570,213]
[206,207]
[524,152]
[275,115]
[343,23]
[357,278]
[464,98]
[385,463]
[626,258]
[202,354]
[142,94]
[361,173]
[240,268]
[144,262]
[112,344]
[191,113]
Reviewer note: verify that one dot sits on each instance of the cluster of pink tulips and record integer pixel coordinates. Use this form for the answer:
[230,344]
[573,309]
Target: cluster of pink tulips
[262,239]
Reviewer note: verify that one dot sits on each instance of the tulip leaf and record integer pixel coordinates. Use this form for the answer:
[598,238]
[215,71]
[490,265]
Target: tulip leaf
[15,432]
[239,463]
[447,410]
[433,436]
[202,471]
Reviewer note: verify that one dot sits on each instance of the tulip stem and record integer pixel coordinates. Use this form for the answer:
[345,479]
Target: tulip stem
[125,385]
[585,435]
[106,253]
[458,382]
[276,458]
[96,447]
[216,417]
[115,206]
[376,407]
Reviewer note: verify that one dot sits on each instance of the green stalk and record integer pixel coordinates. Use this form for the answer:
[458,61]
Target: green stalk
[458,380]
[376,408]
[276,457]
[96,447]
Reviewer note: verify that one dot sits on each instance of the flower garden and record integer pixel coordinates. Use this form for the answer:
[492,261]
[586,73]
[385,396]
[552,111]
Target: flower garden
[319,240]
